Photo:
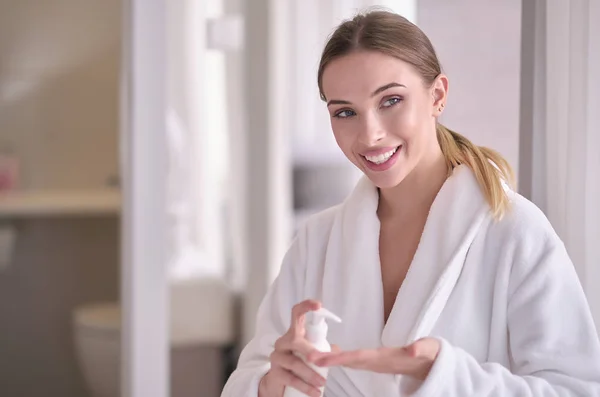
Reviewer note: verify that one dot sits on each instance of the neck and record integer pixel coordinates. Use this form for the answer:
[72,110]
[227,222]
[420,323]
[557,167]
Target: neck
[417,191]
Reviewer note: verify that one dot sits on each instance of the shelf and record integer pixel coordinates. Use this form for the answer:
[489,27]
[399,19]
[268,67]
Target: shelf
[27,204]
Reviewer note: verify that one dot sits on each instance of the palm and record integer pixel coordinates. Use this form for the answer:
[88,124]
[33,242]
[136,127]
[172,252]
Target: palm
[415,359]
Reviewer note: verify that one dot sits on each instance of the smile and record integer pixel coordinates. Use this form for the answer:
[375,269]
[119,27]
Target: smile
[381,158]
[381,161]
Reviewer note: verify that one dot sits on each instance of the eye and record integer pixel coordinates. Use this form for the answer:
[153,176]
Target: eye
[344,114]
[391,102]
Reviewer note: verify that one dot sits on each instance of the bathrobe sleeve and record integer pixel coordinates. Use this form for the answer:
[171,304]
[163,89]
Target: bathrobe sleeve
[554,346]
[273,320]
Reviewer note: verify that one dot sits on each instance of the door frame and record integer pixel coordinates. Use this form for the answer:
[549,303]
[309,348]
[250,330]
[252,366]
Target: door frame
[144,290]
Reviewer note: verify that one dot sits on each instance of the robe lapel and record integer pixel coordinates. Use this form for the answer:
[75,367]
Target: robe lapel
[455,217]
[352,286]
[352,276]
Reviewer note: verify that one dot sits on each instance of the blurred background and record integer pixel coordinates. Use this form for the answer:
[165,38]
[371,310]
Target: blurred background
[247,154]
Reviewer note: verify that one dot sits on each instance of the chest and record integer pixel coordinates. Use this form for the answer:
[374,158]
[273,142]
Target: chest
[398,242]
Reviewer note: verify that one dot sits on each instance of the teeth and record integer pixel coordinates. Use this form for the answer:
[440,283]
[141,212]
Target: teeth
[382,158]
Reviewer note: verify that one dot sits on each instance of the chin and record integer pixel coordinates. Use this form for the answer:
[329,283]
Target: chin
[387,179]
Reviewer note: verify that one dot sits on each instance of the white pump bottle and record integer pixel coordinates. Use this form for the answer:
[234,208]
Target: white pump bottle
[316,333]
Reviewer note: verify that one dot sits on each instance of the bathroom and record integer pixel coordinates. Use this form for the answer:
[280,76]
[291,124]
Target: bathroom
[85,169]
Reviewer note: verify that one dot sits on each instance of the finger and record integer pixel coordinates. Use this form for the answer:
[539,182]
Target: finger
[294,343]
[288,379]
[358,359]
[298,367]
[301,346]
[383,360]
[284,343]
[335,349]
[298,313]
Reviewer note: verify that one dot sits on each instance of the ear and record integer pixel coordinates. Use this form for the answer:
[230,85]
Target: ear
[440,94]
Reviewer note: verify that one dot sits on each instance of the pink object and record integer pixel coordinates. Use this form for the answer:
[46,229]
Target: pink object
[9,172]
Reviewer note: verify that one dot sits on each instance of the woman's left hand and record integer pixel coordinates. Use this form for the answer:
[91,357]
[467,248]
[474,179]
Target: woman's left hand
[414,360]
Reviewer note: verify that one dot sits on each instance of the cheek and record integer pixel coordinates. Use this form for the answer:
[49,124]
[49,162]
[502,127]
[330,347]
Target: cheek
[342,134]
[345,136]
[409,124]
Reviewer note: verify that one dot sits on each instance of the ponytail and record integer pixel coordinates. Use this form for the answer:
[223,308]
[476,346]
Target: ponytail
[491,170]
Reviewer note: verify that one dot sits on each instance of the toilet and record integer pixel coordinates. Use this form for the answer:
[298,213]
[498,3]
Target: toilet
[202,322]
[97,344]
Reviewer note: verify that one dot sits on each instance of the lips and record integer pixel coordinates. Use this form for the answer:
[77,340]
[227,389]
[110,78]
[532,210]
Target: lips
[381,159]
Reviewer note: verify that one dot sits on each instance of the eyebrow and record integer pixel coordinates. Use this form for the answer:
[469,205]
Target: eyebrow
[377,91]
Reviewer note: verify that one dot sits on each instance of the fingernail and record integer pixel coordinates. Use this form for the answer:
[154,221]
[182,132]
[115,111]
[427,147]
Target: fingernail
[322,381]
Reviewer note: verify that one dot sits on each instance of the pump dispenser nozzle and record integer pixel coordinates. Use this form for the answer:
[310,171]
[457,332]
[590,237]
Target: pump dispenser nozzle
[316,326]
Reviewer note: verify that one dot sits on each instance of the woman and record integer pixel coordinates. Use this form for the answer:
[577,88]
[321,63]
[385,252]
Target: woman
[448,282]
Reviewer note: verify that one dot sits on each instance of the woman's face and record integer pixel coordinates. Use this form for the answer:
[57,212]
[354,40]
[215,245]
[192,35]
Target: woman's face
[383,115]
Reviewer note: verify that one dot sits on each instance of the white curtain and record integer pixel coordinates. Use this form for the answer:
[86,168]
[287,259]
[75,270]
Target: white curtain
[564,179]
[197,138]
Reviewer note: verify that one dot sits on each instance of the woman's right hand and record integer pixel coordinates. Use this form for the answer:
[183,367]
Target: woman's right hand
[286,368]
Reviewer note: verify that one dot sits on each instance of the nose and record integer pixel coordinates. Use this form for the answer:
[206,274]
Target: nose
[372,130]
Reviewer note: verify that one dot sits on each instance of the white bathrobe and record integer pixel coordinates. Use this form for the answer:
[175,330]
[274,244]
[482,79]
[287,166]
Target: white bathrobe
[502,297]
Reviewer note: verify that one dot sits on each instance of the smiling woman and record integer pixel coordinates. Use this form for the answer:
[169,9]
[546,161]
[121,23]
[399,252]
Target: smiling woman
[448,282]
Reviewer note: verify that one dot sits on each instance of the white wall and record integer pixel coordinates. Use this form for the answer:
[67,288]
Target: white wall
[478,43]
[59,65]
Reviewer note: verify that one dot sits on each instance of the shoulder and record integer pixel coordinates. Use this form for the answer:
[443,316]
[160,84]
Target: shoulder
[319,224]
[526,238]
[524,219]
[308,243]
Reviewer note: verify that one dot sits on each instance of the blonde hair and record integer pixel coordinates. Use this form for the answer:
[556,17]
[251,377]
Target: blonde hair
[394,35]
